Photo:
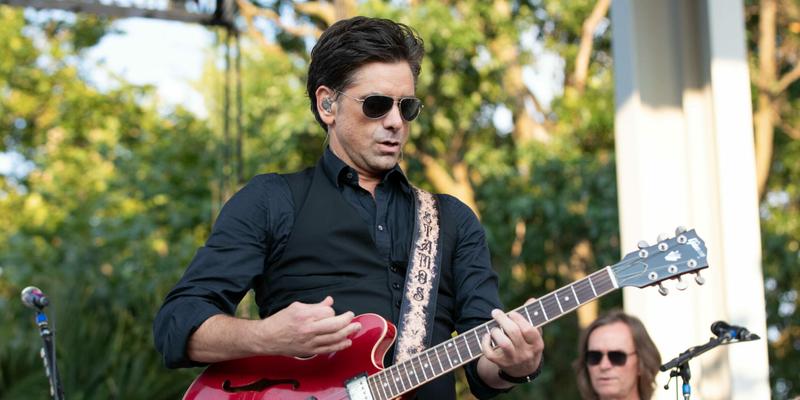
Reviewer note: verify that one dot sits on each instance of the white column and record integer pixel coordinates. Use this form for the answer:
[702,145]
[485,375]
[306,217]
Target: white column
[685,156]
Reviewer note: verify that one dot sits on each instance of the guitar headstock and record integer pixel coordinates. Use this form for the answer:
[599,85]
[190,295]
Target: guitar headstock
[670,258]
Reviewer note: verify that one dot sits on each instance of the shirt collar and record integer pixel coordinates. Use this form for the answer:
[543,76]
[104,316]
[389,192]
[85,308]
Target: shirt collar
[338,172]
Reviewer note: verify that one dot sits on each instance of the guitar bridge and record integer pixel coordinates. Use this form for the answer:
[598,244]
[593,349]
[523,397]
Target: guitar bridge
[358,388]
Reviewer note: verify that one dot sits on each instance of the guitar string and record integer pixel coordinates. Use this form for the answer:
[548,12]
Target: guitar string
[463,345]
[461,342]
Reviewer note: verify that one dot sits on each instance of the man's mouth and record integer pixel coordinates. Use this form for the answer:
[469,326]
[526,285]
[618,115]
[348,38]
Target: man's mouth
[389,145]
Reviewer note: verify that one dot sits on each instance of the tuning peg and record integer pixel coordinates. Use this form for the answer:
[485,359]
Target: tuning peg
[642,244]
[679,230]
[661,289]
[681,285]
[662,237]
[699,279]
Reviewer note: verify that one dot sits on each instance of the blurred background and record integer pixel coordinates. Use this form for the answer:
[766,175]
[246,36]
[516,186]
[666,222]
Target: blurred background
[120,138]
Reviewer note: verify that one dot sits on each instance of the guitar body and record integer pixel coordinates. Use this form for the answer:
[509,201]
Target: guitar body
[290,378]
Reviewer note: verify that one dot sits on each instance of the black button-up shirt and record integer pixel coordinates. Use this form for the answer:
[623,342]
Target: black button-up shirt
[254,226]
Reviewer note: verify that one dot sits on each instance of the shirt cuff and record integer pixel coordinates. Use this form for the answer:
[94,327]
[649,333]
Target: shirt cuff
[180,322]
[477,386]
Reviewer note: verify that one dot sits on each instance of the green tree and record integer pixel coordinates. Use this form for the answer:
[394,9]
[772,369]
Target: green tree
[115,203]
[773,28]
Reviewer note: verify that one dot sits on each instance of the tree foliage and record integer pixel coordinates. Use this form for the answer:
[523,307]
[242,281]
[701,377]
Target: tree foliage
[773,32]
[113,207]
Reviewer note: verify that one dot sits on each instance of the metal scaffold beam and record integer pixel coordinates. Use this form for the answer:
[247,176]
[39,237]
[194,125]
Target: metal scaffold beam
[219,12]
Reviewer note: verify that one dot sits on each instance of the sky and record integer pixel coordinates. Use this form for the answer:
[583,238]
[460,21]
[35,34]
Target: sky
[169,55]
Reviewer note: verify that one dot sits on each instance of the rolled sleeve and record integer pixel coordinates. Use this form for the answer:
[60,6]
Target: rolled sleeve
[223,271]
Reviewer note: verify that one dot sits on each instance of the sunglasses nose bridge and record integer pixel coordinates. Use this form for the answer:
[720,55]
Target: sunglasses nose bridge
[394,112]
[397,104]
[613,358]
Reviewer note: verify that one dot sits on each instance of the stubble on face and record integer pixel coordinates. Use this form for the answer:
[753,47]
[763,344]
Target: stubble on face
[371,146]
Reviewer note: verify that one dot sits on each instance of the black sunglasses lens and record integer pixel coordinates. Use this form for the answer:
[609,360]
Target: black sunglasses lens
[617,358]
[593,357]
[377,106]
[409,108]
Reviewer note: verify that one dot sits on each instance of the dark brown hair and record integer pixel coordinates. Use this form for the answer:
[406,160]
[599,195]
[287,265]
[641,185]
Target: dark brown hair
[351,43]
[647,355]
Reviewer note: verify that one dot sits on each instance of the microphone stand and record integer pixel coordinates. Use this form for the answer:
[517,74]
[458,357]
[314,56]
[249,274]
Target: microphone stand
[48,355]
[681,363]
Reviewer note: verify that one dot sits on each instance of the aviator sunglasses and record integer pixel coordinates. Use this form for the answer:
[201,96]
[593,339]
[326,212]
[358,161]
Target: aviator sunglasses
[375,106]
[615,357]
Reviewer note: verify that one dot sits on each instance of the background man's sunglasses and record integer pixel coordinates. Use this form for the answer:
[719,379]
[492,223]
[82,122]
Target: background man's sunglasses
[376,106]
[615,357]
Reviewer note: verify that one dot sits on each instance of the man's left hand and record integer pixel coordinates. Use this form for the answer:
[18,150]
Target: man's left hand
[517,348]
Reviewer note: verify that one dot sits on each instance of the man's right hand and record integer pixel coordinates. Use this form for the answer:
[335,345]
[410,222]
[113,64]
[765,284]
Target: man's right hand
[307,329]
[298,330]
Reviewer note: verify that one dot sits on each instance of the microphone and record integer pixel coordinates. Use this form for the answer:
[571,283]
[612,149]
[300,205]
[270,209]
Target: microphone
[728,331]
[34,298]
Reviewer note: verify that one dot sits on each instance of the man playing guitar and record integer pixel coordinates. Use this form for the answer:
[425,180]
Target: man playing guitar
[346,237]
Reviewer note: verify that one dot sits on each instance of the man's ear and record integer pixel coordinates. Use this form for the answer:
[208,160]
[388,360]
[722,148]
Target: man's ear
[326,106]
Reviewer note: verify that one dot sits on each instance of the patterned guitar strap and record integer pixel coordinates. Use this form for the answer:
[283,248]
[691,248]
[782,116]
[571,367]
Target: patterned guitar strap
[418,309]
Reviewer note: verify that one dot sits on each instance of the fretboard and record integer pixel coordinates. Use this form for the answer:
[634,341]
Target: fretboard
[451,354]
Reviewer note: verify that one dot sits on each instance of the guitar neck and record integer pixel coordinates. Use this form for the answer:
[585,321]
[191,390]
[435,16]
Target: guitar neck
[451,354]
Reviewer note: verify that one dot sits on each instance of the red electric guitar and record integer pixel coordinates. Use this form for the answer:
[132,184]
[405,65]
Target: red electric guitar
[357,372]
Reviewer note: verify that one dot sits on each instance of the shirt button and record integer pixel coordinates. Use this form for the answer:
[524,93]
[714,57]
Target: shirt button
[380,227]
[397,303]
[396,285]
[349,175]
[393,268]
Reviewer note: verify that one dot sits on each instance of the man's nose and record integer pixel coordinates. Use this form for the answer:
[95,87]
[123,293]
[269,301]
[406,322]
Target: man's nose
[393,120]
[605,363]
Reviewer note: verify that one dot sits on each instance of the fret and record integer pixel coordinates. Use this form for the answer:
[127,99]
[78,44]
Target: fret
[436,351]
[381,383]
[602,281]
[448,347]
[454,345]
[426,364]
[384,384]
[478,339]
[373,388]
[404,379]
[612,278]
[585,290]
[589,279]
[528,314]
[469,350]
[567,299]
[430,362]
[412,373]
[393,380]
[419,371]
[558,303]
[550,307]
[575,294]
[538,313]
